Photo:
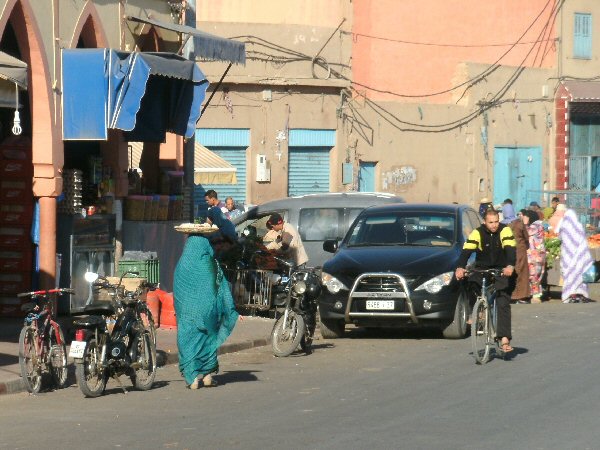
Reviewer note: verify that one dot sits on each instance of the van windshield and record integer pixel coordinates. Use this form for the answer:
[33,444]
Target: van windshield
[404,228]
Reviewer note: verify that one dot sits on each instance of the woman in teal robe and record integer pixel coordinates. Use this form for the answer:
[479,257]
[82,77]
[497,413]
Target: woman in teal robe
[205,311]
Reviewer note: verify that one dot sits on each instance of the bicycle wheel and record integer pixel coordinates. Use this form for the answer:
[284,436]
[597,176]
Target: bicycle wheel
[90,378]
[480,331]
[285,338]
[143,361]
[30,363]
[58,358]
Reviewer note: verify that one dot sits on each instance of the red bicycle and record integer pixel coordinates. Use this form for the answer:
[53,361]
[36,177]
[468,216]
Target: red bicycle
[41,343]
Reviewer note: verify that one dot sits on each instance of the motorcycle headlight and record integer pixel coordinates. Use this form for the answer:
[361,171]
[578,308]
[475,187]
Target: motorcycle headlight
[435,284]
[300,287]
[332,284]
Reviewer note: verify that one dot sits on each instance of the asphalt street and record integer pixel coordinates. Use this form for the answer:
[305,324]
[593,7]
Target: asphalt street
[392,389]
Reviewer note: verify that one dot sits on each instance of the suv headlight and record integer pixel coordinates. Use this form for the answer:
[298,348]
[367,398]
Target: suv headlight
[435,284]
[332,284]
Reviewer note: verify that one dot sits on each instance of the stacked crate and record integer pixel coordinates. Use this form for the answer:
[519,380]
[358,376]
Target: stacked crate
[73,192]
[16,213]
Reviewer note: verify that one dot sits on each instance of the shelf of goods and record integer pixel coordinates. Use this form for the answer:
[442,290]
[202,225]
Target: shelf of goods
[16,213]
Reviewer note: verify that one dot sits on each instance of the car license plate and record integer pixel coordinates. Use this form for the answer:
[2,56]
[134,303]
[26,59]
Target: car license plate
[77,348]
[380,304]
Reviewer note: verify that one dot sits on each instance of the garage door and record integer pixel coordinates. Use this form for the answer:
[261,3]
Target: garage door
[308,170]
[308,164]
[231,144]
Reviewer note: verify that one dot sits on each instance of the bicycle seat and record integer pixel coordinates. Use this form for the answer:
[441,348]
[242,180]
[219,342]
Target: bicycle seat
[103,308]
[28,307]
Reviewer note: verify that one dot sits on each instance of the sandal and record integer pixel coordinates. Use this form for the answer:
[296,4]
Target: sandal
[506,347]
[208,381]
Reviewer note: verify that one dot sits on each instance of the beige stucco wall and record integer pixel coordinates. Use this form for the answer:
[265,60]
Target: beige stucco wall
[447,166]
[308,108]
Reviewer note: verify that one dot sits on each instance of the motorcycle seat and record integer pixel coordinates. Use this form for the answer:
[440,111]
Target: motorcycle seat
[103,308]
[89,322]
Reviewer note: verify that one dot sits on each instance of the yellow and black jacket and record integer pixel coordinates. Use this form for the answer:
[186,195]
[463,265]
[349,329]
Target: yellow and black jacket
[493,250]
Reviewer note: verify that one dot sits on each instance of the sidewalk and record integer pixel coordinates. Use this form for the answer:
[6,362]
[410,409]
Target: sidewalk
[248,333]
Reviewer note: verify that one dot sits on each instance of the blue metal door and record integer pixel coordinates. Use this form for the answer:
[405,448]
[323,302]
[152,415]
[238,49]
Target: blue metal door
[517,171]
[366,177]
[308,170]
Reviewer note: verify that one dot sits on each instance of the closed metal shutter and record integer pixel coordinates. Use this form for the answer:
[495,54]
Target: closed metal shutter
[231,144]
[308,170]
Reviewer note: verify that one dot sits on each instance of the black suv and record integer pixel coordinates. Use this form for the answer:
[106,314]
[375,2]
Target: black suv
[395,267]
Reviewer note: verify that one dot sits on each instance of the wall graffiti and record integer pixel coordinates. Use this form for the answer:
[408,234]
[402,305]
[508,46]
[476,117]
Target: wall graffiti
[399,177]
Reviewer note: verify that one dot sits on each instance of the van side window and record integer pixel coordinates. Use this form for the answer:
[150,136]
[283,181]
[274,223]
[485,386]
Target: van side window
[319,224]
[351,213]
[467,226]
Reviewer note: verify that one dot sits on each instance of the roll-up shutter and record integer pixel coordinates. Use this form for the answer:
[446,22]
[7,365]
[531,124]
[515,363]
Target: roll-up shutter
[308,165]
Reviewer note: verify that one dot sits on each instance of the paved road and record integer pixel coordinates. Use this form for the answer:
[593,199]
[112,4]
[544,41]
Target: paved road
[369,390]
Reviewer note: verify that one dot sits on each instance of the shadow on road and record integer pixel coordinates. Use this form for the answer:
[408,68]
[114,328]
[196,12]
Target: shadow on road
[8,360]
[394,333]
[235,376]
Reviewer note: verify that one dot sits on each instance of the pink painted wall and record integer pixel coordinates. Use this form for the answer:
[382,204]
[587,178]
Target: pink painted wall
[406,68]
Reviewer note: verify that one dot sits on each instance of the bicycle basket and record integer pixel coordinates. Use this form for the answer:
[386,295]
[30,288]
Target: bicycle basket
[252,288]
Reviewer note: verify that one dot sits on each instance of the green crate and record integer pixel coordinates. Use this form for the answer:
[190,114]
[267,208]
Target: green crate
[148,269]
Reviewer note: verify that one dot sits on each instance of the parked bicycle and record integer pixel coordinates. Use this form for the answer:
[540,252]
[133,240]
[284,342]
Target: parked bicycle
[484,318]
[41,342]
[115,339]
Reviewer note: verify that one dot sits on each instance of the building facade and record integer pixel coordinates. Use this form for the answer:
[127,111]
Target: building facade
[436,101]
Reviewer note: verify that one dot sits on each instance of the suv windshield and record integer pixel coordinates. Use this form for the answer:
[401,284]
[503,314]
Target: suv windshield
[404,228]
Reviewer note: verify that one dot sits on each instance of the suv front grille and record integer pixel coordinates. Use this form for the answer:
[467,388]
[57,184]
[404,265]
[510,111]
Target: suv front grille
[379,295]
[377,283]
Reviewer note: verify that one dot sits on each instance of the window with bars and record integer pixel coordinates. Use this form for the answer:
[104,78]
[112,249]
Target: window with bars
[582,39]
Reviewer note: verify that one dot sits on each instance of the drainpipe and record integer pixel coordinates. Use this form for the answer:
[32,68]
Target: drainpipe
[189,145]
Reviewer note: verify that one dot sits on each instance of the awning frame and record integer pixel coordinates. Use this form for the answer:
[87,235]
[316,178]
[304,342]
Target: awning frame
[212,47]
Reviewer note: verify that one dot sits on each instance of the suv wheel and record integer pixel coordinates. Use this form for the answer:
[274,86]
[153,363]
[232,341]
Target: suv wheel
[332,328]
[457,329]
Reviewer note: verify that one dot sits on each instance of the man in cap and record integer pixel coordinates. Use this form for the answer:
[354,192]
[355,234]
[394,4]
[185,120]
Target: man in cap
[535,207]
[484,205]
[285,240]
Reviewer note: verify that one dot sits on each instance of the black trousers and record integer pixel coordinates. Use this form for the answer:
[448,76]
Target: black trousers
[503,325]
[504,287]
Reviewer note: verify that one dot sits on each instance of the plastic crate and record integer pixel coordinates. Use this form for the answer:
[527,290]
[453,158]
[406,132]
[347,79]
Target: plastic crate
[148,269]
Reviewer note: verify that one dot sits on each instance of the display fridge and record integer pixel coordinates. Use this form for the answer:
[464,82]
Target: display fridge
[87,244]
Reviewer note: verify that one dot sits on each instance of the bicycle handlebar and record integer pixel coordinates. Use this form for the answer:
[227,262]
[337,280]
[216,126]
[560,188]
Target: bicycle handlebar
[47,292]
[494,272]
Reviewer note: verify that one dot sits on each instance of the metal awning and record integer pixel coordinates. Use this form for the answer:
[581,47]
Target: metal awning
[583,91]
[208,45]
[209,168]
[13,72]
[144,94]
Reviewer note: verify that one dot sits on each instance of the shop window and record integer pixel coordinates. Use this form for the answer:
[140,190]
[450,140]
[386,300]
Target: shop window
[582,39]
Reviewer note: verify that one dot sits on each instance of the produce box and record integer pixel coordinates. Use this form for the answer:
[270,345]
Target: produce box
[148,269]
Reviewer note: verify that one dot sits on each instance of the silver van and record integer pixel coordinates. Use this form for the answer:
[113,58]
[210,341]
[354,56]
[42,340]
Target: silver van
[317,217]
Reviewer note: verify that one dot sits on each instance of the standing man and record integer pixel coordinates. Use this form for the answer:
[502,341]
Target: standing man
[212,200]
[549,210]
[495,248]
[231,208]
[287,241]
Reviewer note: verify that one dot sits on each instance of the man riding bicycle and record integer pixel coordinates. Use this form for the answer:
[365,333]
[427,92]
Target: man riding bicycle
[495,248]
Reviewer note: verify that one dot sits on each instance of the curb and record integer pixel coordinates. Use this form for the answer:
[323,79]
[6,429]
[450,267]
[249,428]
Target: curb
[163,359]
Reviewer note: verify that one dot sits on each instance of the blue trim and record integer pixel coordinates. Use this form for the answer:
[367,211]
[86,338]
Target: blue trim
[223,137]
[311,138]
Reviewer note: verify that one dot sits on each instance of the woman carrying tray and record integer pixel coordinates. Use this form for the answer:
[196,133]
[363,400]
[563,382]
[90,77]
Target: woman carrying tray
[205,311]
